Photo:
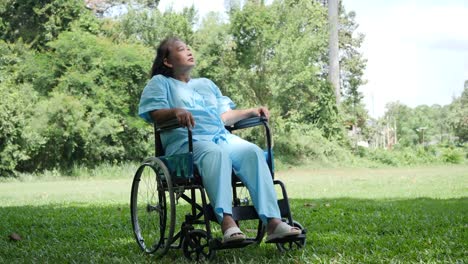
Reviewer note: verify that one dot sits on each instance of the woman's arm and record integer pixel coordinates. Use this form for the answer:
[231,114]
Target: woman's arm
[231,117]
[184,117]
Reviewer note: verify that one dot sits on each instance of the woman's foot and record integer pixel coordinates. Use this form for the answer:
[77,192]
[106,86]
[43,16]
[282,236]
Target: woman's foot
[231,232]
[279,229]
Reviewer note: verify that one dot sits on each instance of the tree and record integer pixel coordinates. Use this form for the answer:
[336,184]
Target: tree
[402,115]
[333,46]
[17,139]
[352,68]
[459,115]
[70,80]
[38,22]
[441,131]
[149,26]
[216,59]
[282,53]
[426,125]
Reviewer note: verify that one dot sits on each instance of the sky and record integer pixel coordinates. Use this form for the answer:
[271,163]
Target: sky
[416,50]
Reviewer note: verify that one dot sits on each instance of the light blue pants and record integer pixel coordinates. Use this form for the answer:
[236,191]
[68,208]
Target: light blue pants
[215,162]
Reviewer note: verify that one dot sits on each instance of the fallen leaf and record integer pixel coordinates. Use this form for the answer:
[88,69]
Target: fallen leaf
[14,237]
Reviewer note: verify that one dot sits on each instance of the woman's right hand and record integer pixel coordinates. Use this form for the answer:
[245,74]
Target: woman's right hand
[184,117]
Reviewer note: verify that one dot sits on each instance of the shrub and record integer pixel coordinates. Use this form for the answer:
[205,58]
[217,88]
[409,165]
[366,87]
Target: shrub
[17,140]
[383,156]
[298,143]
[452,155]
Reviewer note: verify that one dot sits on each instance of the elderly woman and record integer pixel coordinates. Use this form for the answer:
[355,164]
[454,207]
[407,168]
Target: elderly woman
[198,103]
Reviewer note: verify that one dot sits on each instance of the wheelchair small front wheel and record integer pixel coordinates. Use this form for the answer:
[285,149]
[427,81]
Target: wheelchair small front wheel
[196,246]
[152,207]
[295,244]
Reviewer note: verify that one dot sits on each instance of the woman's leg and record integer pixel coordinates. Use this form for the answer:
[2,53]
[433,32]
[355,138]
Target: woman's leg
[250,166]
[214,166]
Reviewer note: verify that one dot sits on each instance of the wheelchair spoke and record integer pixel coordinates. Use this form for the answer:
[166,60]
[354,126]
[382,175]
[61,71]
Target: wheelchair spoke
[157,208]
[151,206]
[196,246]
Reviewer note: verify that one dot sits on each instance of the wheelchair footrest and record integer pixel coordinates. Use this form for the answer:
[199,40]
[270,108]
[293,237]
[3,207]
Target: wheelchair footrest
[288,239]
[217,244]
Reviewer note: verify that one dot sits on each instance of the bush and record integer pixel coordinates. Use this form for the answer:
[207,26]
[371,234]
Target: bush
[383,156]
[452,155]
[418,155]
[61,121]
[415,155]
[301,143]
[16,138]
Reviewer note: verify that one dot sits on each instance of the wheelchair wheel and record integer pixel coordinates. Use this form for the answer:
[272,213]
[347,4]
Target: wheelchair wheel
[292,245]
[196,246]
[152,207]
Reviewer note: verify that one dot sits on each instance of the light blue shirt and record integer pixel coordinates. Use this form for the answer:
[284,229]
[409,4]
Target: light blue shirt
[200,96]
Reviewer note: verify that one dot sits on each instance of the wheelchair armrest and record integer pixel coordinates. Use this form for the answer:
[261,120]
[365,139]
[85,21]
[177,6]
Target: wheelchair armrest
[168,125]
[257,121]
[248,122]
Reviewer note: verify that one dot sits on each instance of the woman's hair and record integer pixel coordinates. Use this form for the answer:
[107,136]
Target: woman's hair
[161,54]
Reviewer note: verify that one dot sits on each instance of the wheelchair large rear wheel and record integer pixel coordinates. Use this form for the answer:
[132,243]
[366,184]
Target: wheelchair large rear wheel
[152,207]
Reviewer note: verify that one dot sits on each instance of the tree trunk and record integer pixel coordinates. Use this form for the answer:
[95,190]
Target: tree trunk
[334,63]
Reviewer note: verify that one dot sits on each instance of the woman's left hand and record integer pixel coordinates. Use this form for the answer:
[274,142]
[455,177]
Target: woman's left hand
[262,110]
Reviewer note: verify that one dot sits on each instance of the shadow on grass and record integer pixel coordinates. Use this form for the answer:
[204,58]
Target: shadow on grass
[339,230]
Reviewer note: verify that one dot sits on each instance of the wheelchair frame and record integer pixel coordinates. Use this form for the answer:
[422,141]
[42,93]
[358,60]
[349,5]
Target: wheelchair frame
[156,189]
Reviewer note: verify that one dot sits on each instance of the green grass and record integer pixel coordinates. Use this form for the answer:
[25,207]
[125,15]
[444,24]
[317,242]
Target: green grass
[352,215]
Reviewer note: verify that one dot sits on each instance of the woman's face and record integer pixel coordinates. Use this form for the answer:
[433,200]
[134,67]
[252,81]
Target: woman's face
[180,57]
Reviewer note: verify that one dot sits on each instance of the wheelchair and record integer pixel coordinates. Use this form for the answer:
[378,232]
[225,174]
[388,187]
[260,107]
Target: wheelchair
[162,181]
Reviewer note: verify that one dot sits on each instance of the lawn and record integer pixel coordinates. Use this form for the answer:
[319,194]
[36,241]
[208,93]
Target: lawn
[352,215]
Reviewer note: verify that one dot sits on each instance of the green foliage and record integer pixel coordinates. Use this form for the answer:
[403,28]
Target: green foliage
[149,26]
[81,77]
[113,75]
[383,156]
[352,65]
[61,121]
[281,51]
[107,78]
[38,22]
[36,69]
[17,140]
[419,155]
[453,155]
[298,143]
[458,118]
[214,52]
[87,109]
[426,134]
[73,134]
[427,124]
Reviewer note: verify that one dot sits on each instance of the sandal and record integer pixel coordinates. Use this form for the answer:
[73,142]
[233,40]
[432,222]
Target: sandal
[283,230]
[233,234]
